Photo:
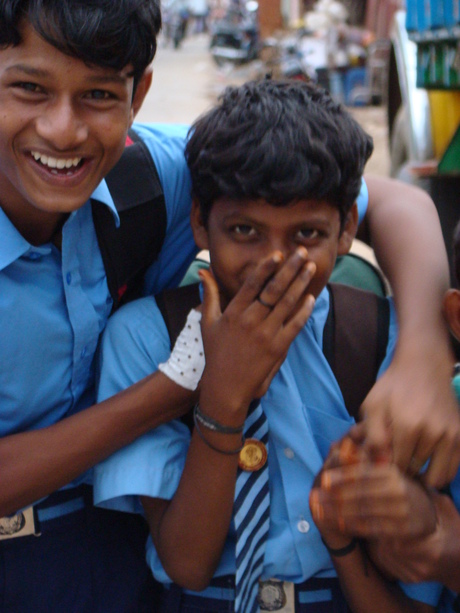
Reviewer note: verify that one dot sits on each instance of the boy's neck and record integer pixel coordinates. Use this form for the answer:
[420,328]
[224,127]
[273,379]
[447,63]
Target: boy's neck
[39,227]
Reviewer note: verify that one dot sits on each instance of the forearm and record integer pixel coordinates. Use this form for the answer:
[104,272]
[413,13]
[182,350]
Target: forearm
[366,590]
[190,532]
[446,564]
[407,239]
[38,462]
[414,395]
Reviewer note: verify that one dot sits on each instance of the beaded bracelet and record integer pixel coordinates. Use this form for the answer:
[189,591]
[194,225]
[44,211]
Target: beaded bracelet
[211,424]
[213,447]
[341,551]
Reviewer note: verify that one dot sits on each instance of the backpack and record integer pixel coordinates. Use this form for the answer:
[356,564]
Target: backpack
[129,250]
[355,335]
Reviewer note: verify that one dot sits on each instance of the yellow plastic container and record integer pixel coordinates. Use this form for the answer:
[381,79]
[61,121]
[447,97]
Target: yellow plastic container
[445,118]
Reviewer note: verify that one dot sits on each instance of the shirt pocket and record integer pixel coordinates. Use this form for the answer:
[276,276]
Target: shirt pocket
[327,428]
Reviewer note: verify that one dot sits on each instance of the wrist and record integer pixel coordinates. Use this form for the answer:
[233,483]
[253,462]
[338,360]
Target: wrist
[338,549]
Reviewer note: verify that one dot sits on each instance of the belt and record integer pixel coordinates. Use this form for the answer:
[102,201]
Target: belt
[274,595]
[46,514]
[64,502]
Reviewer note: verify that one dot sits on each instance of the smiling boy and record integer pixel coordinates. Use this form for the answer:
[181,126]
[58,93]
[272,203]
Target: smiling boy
[274,226]
[69,88]
[73,73]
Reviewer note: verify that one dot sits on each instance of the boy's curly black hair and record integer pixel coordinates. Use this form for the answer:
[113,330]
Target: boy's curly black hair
[107,33]
[280,141]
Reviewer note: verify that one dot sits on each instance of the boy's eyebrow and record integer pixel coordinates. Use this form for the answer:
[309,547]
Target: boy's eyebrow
[31,71]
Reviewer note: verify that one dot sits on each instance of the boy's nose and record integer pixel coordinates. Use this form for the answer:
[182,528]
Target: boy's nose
[61,127]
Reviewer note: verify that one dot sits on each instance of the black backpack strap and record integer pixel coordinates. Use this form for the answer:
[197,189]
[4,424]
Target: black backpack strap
[175,305]
[128,251]
[355,340]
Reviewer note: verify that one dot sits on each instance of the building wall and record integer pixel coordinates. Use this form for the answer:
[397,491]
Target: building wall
[270,18]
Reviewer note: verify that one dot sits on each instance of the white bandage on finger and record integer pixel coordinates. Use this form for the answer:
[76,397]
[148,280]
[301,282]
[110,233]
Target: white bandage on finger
[186,362]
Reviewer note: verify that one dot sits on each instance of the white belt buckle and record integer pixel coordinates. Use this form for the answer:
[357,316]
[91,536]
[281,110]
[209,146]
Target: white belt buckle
[20,524]
[275,595]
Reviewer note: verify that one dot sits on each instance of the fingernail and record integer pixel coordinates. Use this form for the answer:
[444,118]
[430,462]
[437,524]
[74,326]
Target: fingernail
[318,511]
[326,481]
[316,506]
[302,252]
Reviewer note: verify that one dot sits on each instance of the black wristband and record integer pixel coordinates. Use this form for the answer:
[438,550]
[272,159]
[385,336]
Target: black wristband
[213,447]
[342,551]
[212,424]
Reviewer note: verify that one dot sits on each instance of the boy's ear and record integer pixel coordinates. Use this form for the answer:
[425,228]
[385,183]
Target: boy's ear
[200,232]
[452,311]
[142,89]
[350,227]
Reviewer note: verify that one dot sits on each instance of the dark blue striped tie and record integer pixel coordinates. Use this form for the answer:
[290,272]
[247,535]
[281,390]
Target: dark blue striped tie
[251,516]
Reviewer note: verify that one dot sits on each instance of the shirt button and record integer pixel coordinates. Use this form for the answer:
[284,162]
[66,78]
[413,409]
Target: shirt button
[68,278]
[83,352]
[33,255]
[289,453]
[303,526]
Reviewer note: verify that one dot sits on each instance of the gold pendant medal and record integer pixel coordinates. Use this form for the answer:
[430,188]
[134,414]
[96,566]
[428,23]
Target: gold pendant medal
[253,455]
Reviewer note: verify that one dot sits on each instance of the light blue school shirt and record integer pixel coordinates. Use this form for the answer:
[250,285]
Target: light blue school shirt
[54,305]
[305,412]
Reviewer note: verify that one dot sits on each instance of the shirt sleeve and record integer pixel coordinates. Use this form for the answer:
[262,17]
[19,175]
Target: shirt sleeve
[134,343]
[151,466]
[362,200]
[166,144]
[428,592]
[392,339]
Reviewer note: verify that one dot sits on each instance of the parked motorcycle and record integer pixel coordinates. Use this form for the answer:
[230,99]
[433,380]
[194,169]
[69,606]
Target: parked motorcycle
[235,38]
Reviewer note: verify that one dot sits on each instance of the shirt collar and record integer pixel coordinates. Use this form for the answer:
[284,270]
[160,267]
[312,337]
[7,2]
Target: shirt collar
[14,245]
[319,315]
[102,194]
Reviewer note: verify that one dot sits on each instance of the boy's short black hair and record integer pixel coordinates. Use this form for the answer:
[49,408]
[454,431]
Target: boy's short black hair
[456,254]
[107,33]
[280,141]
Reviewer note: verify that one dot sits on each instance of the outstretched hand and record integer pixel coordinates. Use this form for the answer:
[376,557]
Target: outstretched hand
[246,343]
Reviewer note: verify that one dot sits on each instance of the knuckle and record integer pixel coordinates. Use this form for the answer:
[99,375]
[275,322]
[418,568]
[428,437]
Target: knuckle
[289,301]
[273,289]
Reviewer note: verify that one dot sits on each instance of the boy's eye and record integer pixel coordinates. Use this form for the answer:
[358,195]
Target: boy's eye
[28,87]
[308,233]
[100,94]
[243,230]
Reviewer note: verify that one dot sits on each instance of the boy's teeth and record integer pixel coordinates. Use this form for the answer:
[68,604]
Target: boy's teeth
[54,162]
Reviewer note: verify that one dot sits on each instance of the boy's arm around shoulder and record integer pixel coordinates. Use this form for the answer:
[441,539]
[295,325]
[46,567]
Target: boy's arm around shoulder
[414,397]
